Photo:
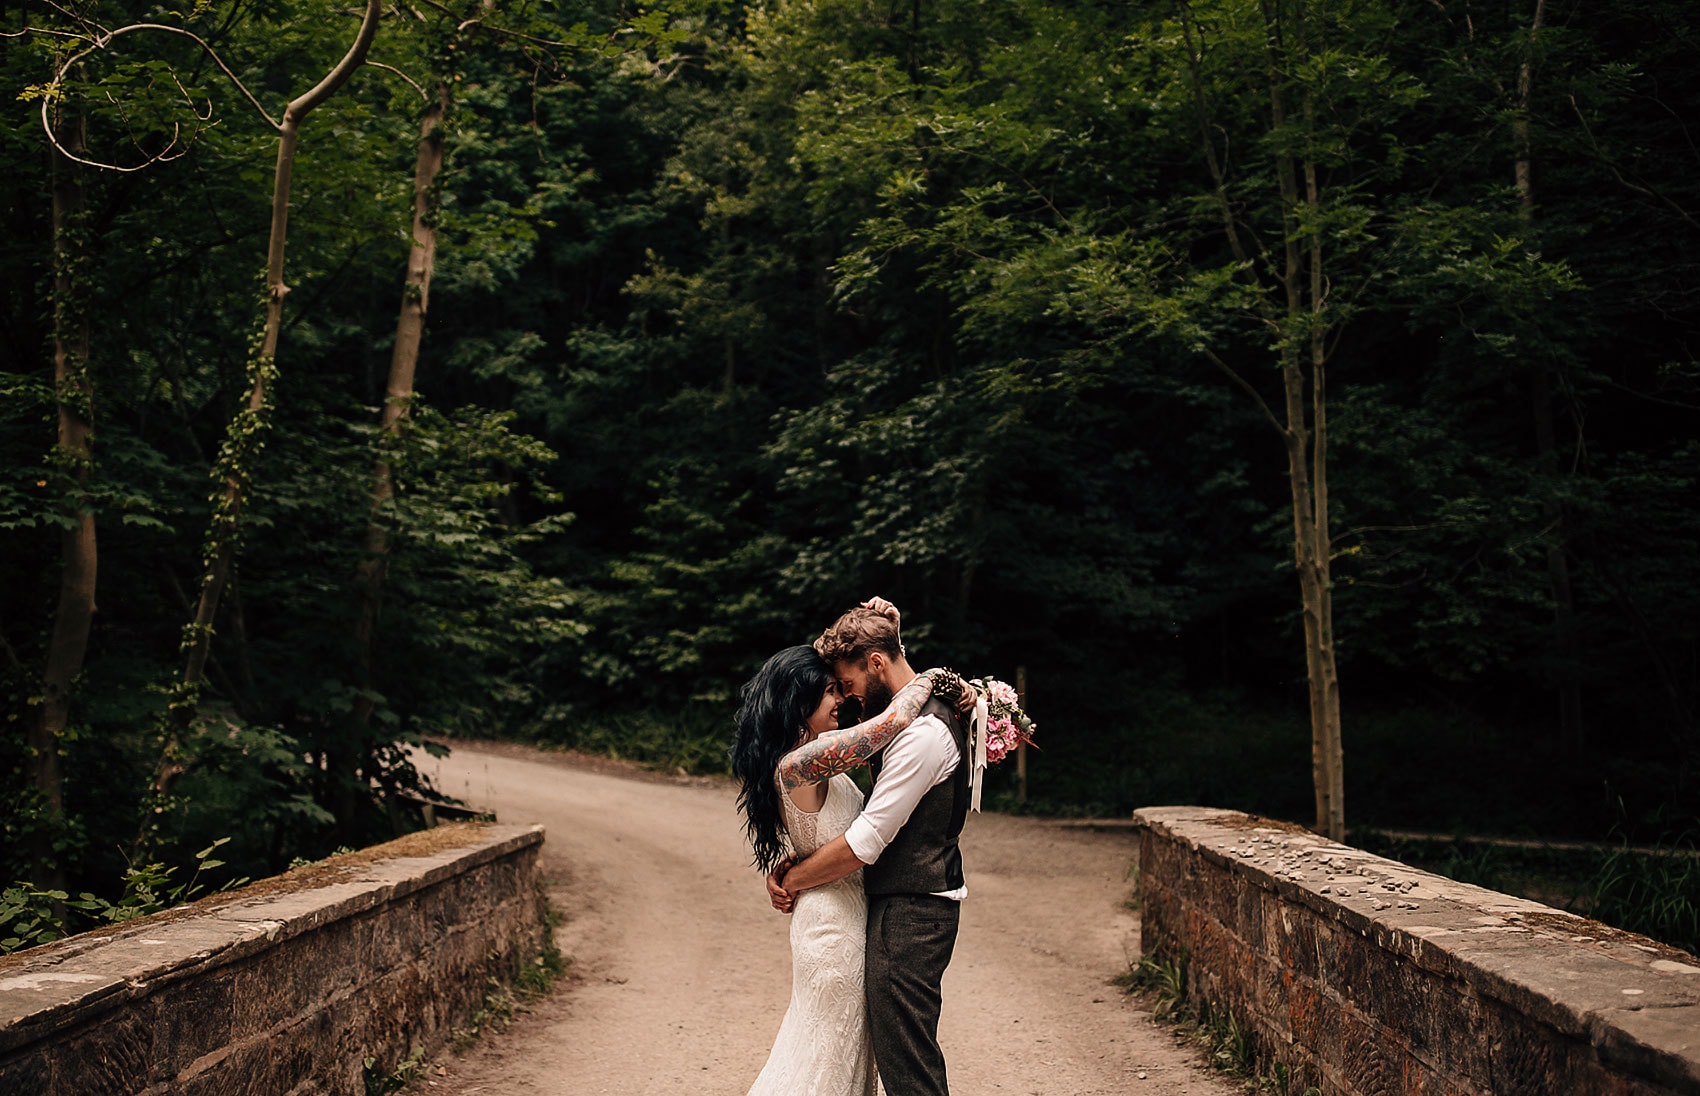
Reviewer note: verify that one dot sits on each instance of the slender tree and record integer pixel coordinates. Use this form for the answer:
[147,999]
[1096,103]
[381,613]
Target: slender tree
[73,457]
[247,429]
[1291,297]
[1541,396]
[398,396]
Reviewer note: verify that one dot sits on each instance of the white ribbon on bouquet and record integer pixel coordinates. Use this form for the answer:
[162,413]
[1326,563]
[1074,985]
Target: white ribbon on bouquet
[977,751]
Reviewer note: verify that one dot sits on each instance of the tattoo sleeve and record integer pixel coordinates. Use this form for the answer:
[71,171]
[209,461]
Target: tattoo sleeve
[847,749]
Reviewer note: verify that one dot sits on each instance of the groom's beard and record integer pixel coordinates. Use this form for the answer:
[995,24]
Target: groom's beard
[876,700]
[849,713]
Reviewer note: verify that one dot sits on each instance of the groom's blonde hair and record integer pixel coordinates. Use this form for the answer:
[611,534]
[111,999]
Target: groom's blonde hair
[855,634]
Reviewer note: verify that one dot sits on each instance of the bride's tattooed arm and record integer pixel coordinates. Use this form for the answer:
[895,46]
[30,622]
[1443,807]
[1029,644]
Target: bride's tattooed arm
[842,751]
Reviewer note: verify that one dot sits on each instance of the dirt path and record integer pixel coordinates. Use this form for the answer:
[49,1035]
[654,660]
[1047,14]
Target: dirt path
[680,970]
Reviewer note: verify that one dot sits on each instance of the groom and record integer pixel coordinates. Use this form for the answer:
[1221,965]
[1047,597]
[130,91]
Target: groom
[905,839]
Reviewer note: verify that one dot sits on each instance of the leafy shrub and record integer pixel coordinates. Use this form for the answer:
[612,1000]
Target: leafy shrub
[30,915]
[1656,894]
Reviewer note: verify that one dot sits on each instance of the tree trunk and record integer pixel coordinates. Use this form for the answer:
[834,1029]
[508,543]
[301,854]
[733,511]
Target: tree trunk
[74,613]
[398,395]
[1565,638]
[244,439]
[1304,351]
[1322,541]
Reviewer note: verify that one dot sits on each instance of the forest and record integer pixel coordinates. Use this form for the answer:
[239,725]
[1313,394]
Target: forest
[1301,395]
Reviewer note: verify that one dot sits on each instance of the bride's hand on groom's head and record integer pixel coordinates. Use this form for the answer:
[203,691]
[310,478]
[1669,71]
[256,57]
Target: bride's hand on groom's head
[885,609]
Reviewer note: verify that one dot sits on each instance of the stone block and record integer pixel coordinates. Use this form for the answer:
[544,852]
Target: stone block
[397,1009]
[111,1057]
[1217,965]
[1217,894]
[1248,918]
[1297,942]
[254,1067]
[387,939]
[1163,861]
[1159,920]
[343,1034]
[1660,1044]
[1349,973]
[38,1003]
[192,1019]
[1369,1062]
[1314,1021]
[26,1074]
[1523,1063]
[294,978]
[1455,1031]
[1417,1078]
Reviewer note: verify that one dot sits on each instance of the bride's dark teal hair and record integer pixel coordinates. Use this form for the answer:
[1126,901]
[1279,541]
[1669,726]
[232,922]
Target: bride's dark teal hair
[777,703]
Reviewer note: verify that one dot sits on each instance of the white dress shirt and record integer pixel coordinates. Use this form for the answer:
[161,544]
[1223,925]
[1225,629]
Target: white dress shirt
[922,756]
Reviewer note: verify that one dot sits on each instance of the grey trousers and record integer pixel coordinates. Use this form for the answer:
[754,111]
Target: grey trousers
[910,941]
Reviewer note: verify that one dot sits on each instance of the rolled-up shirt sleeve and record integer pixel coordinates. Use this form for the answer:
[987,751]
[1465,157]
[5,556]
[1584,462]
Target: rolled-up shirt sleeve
[922,755]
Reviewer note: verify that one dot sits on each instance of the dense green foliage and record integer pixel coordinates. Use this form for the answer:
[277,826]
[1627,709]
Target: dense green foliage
[739,321]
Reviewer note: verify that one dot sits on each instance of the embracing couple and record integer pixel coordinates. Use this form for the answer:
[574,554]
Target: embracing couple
[874,890]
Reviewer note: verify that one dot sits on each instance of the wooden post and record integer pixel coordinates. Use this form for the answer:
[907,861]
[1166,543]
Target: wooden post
[1021,747]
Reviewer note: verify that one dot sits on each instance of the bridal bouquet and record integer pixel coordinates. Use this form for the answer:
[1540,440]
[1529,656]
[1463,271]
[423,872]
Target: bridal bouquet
[1006,723]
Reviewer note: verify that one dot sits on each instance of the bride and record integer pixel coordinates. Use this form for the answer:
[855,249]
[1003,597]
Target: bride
[788,738]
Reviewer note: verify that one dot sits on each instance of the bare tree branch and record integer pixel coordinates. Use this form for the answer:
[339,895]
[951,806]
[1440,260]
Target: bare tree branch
[1246,387]
[1638,188]
[42,30]
[91,29]
[411,81]
[163,155]
[1649,397]
[99,42]
[482,25]
[1422,528]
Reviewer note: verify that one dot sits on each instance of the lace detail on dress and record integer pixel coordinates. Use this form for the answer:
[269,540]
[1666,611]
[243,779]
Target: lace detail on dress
[823,1048]
[802,828]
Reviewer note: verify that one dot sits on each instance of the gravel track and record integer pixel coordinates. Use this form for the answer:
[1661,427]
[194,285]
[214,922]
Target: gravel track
[680,971]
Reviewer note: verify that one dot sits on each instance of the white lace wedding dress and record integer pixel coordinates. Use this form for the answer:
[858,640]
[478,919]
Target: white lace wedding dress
[823,1048]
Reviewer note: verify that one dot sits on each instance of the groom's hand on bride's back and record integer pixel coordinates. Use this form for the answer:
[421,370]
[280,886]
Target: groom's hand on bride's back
[782,899]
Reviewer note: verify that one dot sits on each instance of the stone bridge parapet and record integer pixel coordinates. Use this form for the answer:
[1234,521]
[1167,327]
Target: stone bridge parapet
[287,986]
[1363,976]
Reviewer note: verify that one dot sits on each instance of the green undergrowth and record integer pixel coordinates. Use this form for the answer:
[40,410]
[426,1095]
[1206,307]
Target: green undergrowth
[31,915]
[381,1082]
[503,1000]
[692,740]
[530,979]
[1209,1027]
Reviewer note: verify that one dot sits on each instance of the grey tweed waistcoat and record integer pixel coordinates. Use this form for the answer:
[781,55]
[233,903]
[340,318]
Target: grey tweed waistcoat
[924,858]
